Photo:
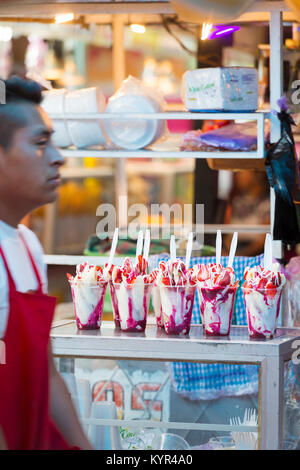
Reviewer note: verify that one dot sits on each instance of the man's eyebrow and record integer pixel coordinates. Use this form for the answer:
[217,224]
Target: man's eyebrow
[43,131]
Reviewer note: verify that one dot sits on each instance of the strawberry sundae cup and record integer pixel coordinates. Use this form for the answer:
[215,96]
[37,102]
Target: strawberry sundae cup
[130,294]
[156,302]
[262,293]
[177,294]
[88,291]
[217,288]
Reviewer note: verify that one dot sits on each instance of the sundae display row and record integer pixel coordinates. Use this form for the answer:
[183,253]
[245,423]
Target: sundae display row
[172,286]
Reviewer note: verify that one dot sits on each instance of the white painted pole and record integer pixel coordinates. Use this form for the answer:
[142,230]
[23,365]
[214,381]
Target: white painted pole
[276,90]
[118,54]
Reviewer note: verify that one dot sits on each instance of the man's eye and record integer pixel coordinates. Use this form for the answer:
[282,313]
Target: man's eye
[42,143]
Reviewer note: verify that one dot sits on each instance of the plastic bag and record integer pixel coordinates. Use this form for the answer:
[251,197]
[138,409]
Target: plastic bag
[133,134]
[233,137]
[281,168]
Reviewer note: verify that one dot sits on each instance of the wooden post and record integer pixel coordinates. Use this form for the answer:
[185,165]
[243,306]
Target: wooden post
[118,76]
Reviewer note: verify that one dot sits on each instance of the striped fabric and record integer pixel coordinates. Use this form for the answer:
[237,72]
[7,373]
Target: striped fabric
[210,381]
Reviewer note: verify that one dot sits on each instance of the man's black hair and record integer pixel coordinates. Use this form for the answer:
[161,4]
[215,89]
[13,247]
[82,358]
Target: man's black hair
[14,114]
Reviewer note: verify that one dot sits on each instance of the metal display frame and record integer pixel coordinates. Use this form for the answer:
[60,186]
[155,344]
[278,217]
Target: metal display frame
[155,345]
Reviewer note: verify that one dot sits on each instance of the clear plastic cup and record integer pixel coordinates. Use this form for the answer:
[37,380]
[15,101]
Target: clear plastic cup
[222,443]
[168,441]
[132,305]
[88,301]
[262,309]
[156,303]
[114,303]
[216,307]
[177,307]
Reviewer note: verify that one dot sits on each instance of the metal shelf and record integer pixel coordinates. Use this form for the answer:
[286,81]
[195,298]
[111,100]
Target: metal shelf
[162,154]
[258,116]
[172,115]
[83,172]
[156,344]
[132,168]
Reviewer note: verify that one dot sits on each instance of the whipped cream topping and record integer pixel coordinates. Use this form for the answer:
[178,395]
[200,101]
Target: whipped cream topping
[260,278]
[130,272]
[173,274]
[214,275]
[88,274]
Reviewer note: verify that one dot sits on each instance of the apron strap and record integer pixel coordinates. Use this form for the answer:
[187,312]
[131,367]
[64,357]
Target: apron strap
[36,271]
[11,282]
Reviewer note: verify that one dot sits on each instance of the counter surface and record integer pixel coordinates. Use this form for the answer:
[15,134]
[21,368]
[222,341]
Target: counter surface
[154,344]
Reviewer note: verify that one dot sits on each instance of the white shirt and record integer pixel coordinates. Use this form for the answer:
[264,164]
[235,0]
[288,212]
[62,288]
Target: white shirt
[19,265]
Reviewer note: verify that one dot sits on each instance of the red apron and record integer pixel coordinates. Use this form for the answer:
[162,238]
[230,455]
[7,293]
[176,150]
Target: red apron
[24,379]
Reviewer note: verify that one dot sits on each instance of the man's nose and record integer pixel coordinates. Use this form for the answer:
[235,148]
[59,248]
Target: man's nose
[55,156]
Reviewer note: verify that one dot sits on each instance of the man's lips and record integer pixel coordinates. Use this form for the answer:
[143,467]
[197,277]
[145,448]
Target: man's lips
[56,179]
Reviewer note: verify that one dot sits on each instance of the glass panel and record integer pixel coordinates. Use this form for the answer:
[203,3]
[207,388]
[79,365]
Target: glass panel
[173,397]
[291,406]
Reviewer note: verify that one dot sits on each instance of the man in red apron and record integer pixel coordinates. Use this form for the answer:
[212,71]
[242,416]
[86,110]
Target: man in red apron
[36,410]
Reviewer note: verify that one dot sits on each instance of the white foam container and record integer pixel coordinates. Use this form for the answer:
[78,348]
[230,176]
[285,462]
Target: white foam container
[133,134]
[85,133]
[221,89]
[53,103]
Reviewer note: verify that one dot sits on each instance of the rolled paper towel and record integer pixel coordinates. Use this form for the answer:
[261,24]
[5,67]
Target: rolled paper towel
[85,133]
[221,89]
[53,103]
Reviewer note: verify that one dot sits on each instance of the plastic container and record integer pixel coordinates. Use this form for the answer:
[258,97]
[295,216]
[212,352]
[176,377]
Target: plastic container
[129,133]
[216,307]
[156,303]
[177,308]
[85,133]
[221,89]
[54,103]
[262,309]
[132,304]
[168,441]
[88,303]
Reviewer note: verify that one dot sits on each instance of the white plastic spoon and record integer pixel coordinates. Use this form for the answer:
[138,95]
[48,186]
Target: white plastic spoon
[268,257]
[232,249]
[139,245]
[218,247]
[172,248]
[189,248]
[147,244]
[112,252]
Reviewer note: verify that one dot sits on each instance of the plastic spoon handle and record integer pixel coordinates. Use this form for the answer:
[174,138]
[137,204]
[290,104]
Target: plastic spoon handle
[172,248]
[112,250]
[139,245]
[147,244]
[218,247]
[268,258]
[232,249]
[189,248]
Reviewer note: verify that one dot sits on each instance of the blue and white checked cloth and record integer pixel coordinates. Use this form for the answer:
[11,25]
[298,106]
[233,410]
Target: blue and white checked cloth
[199,381]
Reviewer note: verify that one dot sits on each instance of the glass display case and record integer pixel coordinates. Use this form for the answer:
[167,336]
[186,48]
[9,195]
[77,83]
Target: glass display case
[146,389]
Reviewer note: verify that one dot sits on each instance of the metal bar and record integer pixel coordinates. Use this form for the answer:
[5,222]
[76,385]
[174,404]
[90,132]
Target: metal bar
[180,115]
[261,135]
[271,406]
[276,90]
[156,154]
[170,425]
[49,9]
[38,9]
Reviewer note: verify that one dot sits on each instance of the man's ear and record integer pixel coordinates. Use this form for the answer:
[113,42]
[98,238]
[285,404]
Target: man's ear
[2,157]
